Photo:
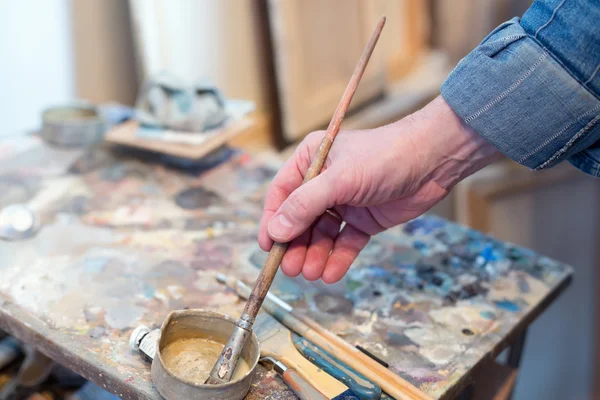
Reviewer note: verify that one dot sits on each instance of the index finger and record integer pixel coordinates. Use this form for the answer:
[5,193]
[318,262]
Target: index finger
[288,179]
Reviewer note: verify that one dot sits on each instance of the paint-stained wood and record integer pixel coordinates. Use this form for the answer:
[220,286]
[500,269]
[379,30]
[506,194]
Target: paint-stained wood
[303,390]
[304,326]
[356,382]
[116,250]
[276,342]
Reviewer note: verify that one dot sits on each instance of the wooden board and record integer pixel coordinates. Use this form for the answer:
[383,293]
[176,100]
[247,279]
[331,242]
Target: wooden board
[494,382]
[407,36]
[124,241]
[125,134]
[316,45]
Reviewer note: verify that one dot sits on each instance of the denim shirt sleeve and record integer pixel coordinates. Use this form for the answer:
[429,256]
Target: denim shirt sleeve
[531,88]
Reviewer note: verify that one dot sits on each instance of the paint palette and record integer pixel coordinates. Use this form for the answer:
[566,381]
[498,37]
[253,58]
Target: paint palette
[124,239]
[431,298]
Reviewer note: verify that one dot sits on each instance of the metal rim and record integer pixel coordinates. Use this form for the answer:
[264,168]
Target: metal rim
[210,313]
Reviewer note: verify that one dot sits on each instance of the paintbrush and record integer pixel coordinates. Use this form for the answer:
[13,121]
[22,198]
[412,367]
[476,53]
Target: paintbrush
[301,388]
[225,365]
[276,342]
[362,387]
[391,383]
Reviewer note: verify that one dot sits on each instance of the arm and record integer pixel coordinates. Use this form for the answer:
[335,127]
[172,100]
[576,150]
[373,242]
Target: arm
[532,87]
[374,179]
[529,91]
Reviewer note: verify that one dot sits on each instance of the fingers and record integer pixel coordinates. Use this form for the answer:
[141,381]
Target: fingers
[325,253]
[302,207]
[292,262]
[288,178]
[323,235]
[347,245]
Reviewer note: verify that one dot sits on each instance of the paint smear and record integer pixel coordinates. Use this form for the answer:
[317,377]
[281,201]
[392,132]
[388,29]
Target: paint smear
[192,359]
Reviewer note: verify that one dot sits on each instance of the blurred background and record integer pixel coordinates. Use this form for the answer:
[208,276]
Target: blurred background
[292,59]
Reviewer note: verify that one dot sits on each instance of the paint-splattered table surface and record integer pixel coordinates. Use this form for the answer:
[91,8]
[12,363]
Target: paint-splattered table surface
[124,239]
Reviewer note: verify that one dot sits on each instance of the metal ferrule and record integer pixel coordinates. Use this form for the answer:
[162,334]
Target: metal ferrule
[225,366]
[245,322]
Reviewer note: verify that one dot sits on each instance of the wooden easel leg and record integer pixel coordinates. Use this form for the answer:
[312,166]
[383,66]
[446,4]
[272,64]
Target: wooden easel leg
[515,353]
[467,394]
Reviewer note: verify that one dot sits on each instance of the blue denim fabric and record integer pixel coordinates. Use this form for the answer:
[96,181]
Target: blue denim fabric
[532,87]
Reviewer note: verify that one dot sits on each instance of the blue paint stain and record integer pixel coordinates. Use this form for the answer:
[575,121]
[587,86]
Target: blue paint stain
[424,224]
[488,253]
[149,189]
[419,245]
[442,283]
[508,305]
[377,272]
[523,285]
[149,291]
[94,265]
[347,395]
[456,262]
[488,315]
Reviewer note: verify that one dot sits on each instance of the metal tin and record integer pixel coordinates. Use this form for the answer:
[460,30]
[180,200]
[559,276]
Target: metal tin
[187,324]
[73,126]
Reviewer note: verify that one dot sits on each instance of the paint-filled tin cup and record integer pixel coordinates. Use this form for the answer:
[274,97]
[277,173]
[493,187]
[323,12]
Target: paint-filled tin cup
[180,367]
[76,125]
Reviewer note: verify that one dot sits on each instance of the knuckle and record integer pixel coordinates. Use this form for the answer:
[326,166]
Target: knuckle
[346,183]
[315,137]
[311,141]
[298,204]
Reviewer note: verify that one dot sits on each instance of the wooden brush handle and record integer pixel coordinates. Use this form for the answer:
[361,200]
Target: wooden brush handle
[264,280]
[302,389]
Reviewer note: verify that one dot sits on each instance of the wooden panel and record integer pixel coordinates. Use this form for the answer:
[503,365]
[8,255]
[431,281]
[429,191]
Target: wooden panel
[408,35]
[125,135]
[316,46]
[459,25]
[494,382]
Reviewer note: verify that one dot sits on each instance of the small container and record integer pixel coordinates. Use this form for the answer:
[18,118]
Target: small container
[192,324]
[73,126]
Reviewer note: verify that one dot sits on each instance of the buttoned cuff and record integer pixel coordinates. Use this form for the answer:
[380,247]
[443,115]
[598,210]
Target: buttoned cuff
[517,96]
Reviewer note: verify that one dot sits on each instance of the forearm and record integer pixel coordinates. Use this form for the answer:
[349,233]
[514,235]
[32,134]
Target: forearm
[531,87]
[449,149]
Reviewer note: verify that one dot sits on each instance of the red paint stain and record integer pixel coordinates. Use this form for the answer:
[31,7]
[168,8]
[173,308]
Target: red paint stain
[129,380]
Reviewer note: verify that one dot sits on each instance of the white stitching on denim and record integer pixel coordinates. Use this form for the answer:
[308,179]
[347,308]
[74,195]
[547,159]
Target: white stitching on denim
[507,38]
[567,146]
[551,18]
[593,75]
[557,134]
[507,91]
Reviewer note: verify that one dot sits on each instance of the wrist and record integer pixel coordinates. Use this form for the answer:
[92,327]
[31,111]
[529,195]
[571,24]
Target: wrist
[450,150]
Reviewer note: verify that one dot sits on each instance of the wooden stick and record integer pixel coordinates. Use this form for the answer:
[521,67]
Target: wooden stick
[225,365]
[390,382]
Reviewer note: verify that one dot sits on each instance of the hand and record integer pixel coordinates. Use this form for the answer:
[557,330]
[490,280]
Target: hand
[374,179]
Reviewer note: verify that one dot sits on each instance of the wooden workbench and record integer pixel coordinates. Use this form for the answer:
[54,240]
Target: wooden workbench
[124,240]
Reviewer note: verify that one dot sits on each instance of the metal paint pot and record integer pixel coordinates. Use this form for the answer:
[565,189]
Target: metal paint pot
[73,126]
[192,324]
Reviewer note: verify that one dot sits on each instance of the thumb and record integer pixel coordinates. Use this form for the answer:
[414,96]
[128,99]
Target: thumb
[302,207]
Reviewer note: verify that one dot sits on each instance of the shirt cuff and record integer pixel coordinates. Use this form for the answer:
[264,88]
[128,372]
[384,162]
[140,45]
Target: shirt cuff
[517,96]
